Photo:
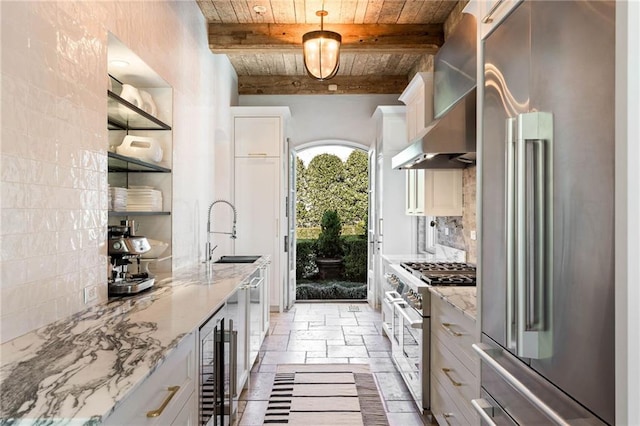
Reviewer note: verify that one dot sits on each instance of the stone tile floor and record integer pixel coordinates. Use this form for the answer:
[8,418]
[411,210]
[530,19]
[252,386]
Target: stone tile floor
[326,333]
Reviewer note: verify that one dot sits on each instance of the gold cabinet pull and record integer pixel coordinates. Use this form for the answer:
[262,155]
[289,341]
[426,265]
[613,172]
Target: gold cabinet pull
[257,154]
[172,391]
[447,416]
[447,327]
[447,372]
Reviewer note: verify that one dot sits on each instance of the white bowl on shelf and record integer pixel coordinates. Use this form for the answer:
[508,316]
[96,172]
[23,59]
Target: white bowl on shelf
[157,248]
[148,105]
[142,147]
[131,95]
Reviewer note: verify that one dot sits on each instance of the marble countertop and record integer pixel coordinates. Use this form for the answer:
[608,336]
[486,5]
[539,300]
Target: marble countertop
[442,254]
[77,370]
[461,298]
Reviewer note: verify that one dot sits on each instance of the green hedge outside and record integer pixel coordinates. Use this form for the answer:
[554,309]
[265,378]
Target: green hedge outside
[355,258]
[305,258]
[331,290]
[313,232]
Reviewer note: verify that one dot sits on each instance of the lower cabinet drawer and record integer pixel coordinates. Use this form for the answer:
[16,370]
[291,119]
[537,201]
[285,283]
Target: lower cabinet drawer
[188,416]
[454,377]
[444,409]
[165,392]
[455,330]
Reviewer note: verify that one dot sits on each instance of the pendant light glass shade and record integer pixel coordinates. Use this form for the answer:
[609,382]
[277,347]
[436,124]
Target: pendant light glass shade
[321,52]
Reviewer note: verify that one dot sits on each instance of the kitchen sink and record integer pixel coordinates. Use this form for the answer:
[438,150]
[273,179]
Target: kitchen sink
[237,259]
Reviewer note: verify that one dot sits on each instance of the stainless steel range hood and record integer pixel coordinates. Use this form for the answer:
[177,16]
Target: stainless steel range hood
[448,143]
[450,140]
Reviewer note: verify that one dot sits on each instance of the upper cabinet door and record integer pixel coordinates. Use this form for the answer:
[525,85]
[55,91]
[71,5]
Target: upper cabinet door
[418,97]
[257,136]
[443,192]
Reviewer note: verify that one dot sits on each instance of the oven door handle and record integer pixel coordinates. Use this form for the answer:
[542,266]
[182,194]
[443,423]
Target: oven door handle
[413,323]
[391,299]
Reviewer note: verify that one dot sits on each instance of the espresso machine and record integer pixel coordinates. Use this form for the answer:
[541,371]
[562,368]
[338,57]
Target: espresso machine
[125,249]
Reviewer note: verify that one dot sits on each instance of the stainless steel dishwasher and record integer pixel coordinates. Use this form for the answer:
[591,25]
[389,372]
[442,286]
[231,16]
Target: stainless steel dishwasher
[217,358]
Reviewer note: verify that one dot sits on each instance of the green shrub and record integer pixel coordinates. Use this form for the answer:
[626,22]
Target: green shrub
[308,233]
[329,244]
[312,233]
[355,259]
[305,258]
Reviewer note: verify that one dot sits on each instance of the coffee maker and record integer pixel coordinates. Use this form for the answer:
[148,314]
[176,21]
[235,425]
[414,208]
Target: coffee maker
[125,249]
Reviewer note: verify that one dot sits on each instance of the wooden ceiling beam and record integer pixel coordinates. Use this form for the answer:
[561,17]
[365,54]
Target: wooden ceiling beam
[304,85]
[369,38]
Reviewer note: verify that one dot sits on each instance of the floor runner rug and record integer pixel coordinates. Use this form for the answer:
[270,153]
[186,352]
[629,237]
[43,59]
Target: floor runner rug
[325,394]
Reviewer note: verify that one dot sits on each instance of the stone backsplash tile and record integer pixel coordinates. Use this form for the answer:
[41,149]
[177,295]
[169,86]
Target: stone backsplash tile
[455,231]
[449,232]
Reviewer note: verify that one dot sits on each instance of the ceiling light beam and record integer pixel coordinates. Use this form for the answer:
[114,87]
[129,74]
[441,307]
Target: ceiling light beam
[303,85]
[365,38]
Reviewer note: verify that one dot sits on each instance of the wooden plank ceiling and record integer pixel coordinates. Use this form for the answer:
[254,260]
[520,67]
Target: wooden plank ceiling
[382,41]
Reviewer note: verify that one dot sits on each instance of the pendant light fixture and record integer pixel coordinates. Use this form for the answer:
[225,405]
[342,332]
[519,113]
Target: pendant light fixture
[321,51]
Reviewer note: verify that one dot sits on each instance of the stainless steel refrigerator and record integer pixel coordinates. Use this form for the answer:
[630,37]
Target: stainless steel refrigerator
[547,219]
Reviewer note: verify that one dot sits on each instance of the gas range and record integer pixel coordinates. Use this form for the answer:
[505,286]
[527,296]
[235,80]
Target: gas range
[443,273]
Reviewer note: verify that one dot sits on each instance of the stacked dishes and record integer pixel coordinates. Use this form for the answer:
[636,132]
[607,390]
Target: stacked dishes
[144,199]
[117,199]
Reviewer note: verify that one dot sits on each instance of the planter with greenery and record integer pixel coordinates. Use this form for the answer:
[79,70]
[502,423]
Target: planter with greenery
[329,249]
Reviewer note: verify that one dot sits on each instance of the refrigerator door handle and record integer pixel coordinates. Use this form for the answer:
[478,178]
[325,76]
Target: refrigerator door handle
[485,410]
[511,341]
[485,351]
[532,250]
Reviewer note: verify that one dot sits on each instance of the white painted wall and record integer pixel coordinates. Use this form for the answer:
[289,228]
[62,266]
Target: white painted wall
[222,217]
[54,142]
[627,213]
[327,117]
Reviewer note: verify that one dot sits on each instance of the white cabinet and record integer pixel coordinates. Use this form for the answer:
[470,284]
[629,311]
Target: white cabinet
[418,97]
[237,312]
[414,199]
[443,192]
[433,192]
[259,189]
[453,365]
[167,396]
[492,12]
[188,416]
[257,192]
[257,137]
[392,231]
[258,312]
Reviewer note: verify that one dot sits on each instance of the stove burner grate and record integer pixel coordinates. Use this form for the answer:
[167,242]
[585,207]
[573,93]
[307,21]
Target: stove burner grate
[449,279]
[439,267]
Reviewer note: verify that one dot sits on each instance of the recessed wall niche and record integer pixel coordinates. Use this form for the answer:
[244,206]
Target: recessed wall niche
[140,113]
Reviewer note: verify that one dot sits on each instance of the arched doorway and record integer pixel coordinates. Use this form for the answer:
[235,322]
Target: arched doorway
[348,195]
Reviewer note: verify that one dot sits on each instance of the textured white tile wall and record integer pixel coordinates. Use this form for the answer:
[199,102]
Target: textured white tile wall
[54,142]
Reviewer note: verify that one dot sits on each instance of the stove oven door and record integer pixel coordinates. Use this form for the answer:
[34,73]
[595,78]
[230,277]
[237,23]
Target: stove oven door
[407,348]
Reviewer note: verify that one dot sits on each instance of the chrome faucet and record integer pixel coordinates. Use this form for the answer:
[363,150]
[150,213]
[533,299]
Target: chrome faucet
[208,249]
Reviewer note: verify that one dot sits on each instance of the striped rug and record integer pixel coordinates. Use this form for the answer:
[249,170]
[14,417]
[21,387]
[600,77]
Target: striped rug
[325,394]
